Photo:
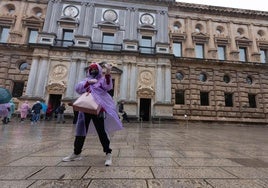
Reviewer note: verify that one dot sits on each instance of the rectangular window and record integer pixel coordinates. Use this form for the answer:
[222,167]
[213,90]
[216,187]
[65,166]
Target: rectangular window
[221,53]
[4,32]
[67,37]
[264,55]
[252,100]
[146,45]
[243,54]
[33,33]
[228,99]
[179,97]
[199,51]
[108,38]
[177,49]
[17,89]
[204,98]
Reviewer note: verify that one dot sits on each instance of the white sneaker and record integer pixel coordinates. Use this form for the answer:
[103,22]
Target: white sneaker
[72,157]
[108,161]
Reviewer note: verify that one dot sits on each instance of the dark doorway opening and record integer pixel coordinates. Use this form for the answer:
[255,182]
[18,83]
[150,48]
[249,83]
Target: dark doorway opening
[54,101]
[145,108]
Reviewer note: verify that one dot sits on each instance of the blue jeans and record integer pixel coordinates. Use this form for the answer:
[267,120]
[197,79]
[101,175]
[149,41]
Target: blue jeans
[36,117]
[60,118]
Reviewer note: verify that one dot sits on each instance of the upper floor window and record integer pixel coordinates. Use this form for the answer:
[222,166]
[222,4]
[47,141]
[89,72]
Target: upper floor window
[4,31]
[33,33]
[108,41]
[67,37]
[219,30]
[146,44]
[264,55]
[199,51]
[198,28]
[243,54]
[176,26]
[240,31]
[260,33]
[177,49]
[221,53]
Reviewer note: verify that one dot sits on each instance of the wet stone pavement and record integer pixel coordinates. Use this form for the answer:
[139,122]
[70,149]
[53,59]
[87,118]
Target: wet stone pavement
[144,156]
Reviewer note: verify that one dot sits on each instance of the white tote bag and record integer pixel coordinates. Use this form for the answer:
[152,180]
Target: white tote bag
[86,103]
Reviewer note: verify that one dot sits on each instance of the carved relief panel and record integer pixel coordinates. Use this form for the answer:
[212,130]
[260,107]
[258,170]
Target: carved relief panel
[57,78]
[146,83]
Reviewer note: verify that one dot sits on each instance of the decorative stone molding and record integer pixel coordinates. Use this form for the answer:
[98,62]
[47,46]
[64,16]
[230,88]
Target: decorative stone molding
[7,20]
[107,25]
[68,21]
[200,37]
[15,36]
[243,41]
[145,92]
[56,88]
[82,41]
[47,38]
[32,22]
[130,45]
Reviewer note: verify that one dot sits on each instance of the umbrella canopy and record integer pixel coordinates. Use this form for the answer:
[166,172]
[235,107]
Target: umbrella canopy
[5,95]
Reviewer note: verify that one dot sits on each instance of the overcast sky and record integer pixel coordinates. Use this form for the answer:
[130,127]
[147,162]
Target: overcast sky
[261,5]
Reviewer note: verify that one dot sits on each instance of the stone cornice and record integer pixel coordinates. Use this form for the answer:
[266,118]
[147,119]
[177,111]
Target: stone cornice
[216,10]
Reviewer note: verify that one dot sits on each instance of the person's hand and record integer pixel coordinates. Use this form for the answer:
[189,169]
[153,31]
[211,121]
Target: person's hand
[108,68]
[92,81]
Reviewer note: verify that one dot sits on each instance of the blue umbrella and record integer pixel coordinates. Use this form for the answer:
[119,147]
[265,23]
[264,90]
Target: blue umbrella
[5,95]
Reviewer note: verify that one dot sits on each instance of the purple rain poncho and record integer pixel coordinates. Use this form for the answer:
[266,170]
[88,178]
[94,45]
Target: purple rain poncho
[4,109]
[99,92]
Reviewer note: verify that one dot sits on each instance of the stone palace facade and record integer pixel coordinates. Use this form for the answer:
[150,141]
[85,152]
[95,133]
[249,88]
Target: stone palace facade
[170,59]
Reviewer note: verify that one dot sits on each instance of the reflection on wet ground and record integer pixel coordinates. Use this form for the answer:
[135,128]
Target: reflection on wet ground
[144,155]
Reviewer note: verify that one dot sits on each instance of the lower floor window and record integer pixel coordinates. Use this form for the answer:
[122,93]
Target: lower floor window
[17,89]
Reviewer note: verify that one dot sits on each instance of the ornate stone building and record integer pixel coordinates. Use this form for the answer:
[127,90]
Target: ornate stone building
[131,35]
[20,22]
[169,59]
[220,69]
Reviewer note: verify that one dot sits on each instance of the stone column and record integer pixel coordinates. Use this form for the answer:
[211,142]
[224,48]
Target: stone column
[165,26]
[128,23]
[41,77]
[89,19]
[48,15]
[189,48]
[234,51]
[82,19]
[71,80]
[124,81]
[159,85]
[212,50]
[254,49]
[232,36]
[134,20]
[81,75]
[159,26]
[133,82]
[32,77]
[167,84]
[55,15]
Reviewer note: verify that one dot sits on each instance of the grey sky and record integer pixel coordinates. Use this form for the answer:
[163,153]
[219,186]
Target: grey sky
[261,5]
